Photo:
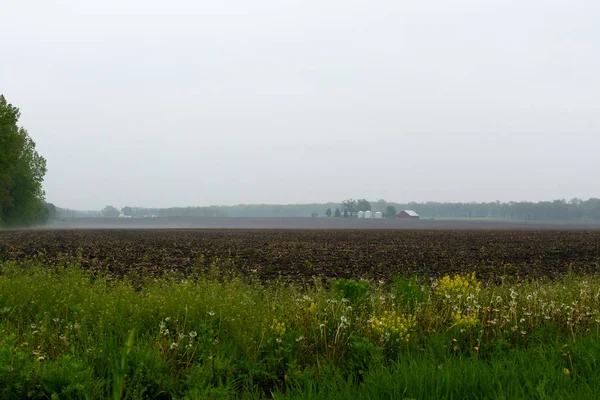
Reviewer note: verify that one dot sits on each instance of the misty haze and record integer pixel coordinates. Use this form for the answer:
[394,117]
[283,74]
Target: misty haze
[184,103]
[299,200]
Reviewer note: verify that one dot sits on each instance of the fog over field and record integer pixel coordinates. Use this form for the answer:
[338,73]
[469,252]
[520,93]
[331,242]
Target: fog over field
[161,104]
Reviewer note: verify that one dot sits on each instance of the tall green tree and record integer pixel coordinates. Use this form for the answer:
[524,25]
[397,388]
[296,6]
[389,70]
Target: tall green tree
[22,172]
[328,212]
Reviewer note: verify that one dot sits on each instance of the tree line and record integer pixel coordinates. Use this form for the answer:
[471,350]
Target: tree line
[557,210]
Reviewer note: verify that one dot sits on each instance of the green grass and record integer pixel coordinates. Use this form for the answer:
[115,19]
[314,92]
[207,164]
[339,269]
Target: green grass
[532,373]
[68,333]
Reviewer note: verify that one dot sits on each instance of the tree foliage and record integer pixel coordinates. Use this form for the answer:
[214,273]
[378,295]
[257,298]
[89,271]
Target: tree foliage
[390,212]
[337,213]
[363,205]
[127,211]
[328,212]
[22,172]
[349,206]
[557,210]
[381,205]
[110,212]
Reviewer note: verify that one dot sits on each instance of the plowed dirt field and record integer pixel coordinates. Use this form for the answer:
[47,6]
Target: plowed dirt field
[302,254]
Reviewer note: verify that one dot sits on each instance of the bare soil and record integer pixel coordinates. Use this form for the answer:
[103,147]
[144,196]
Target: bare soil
[310,223]
[299,255]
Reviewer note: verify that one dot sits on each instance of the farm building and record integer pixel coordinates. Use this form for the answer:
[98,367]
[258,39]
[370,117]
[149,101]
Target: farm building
[408,214]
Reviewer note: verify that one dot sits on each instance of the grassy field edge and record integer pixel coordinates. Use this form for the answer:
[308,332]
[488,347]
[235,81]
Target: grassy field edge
[70,333]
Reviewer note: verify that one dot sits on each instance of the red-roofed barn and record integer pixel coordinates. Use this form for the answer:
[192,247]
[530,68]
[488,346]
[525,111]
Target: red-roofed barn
[407,214]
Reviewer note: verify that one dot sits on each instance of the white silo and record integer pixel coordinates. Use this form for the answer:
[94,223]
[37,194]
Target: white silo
[368,214]
[361,214]
[378,215]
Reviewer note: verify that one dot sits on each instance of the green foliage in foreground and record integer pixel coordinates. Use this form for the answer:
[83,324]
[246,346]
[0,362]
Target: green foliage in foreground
[66,333]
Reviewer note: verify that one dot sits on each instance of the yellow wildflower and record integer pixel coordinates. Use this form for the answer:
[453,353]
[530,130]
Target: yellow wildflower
[278,328]
[457,285]
[465,320]
[393,326]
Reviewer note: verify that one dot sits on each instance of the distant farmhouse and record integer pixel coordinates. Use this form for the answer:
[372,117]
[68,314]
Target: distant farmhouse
[407,214]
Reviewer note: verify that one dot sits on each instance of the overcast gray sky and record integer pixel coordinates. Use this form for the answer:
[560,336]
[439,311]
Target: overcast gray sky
[183,102]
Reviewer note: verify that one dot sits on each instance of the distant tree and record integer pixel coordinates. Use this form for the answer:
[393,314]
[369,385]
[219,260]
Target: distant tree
[390,212]
[314,215]
[22,172]
[328,212]
[363,205]
[110,212]
[349,205]
[52,211]
[346,214]
[337,213]
[381,205]
[127,211]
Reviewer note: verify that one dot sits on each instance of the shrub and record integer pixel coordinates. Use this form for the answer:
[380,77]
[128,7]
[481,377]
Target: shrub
[351,289]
